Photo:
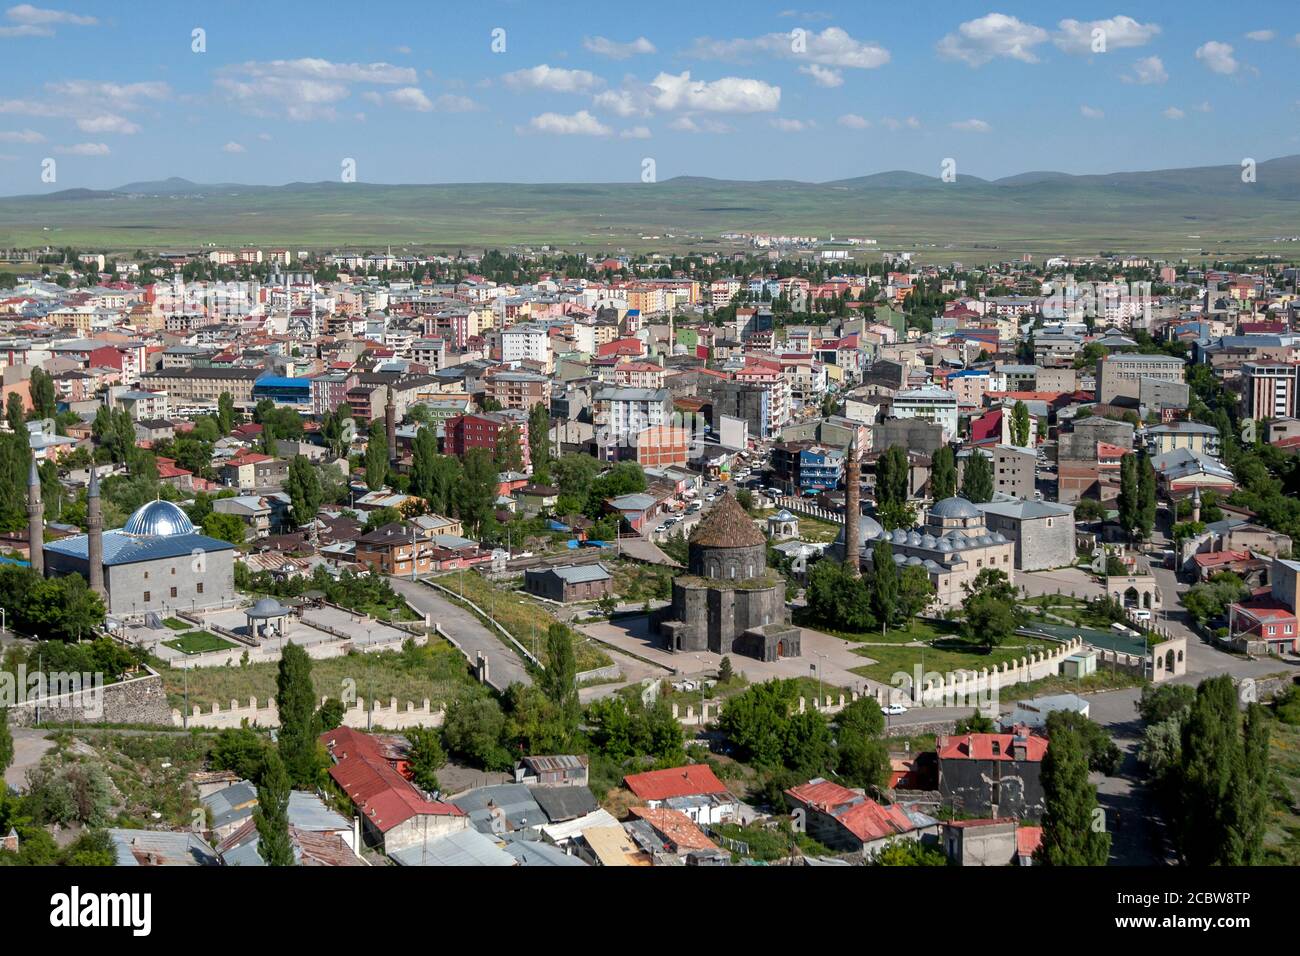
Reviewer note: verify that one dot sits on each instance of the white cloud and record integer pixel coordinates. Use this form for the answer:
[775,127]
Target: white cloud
[580,123]
[22,136]
[603,46]
[304,89]
[731,94]
[786,125]
[971,126]
[701,124]
[636,132]
[1203,107]
[553,79]
[1260,36]
[976,42]
[910,122]
[84,149]
[26,20]
[410,98]
[1075,36]
[1147,71]
[853,121]
[107,123]
[453,103]
[826,76]
[832,47]
[1217,57]
[1091,112]
[1174,113]
[264,137]
[233,147]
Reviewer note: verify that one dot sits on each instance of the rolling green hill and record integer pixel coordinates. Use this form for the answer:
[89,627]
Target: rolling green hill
[1176,212]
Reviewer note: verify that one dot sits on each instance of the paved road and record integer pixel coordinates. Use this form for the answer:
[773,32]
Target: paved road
[504,665]
[29,747]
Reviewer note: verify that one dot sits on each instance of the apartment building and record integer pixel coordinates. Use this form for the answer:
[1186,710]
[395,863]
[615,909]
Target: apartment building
[1269,389]
[932,404]
[204,384]
[1120,375]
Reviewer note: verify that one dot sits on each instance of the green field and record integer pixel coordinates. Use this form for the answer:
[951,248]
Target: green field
[196,642]
[949,656]
[1174,213]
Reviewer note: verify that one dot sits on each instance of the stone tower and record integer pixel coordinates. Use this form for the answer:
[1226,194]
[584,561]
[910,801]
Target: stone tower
[852,491]
[390,425]
[95,535]
[35,520]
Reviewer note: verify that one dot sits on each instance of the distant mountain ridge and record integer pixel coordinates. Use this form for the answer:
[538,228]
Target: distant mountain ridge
[1164,208]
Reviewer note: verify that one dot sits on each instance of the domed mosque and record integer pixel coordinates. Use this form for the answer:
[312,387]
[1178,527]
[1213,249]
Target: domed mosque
[156,562]
[953,546]
[728,601]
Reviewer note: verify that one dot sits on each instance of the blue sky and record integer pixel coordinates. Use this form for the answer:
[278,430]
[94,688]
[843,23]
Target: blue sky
[414,92]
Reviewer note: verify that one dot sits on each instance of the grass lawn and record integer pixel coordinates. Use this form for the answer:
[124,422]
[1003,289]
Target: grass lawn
[949,656]
[813,530]
[914,630]
[196,642]
[176,624]
[634,581]
[1282,827]
[526,620]
[437,671]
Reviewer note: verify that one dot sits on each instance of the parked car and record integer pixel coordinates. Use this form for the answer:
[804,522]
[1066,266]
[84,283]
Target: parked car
[893,710]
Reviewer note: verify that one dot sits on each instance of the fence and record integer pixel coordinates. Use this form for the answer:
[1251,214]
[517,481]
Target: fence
[358,716]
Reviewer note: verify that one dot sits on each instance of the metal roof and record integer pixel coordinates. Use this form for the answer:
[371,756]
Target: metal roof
[122,548]
[462,848]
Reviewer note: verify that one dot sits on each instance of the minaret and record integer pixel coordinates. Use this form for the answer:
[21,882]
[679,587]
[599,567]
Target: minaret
[94,535]
[1196,503]
[852,490]
[390,425]
[35,520]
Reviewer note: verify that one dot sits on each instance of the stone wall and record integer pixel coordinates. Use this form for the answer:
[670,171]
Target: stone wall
[140,700]
[379,717]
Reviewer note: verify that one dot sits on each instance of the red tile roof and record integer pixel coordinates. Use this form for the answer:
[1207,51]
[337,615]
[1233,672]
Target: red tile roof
[674,782]
[1027,840]
[383,795]
[824,795]
[676,827]
[980,747]
[870,821]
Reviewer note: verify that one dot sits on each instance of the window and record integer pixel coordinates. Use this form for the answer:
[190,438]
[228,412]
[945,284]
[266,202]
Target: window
[173,592]
[147,597]
[199,587]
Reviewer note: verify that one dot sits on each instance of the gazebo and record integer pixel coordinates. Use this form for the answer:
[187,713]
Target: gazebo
[271,613]
[782,525]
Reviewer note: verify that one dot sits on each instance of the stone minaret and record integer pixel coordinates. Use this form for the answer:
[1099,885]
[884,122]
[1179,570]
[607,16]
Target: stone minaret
[852,490]
[1196,503]
[35,520]
[390,425]
[95,536]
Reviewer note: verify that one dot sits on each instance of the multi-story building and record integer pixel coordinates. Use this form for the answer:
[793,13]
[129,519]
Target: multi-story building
[481,430]
[206,384]
[930,403]
[623,413]
[1269,389]
[1120,375]
[521,390]
[530,341]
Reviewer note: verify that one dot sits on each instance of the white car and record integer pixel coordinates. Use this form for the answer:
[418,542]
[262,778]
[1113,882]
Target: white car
[893,710]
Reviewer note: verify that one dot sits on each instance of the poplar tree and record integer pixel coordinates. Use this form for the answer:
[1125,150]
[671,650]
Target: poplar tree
[977,480]
[295,699]
[943,474]
[274,845]
[1073,832]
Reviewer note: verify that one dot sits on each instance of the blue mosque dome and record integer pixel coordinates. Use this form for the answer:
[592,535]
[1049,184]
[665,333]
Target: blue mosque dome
[159,519]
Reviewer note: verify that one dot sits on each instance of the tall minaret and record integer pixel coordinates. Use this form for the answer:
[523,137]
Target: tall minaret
[1196,503]
[852,486]
[390,425]
[95,535]
[35,520]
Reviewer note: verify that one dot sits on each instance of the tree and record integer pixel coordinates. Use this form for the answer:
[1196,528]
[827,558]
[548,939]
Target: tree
[330,714]
[6,741]
[892,472]
[224,527]
[990,607]
[977,479]
[976,723]
[943,474]
[1127,501]
[425,758]
[1072,831]
[725,673]
[1020,424]
[376,455]
[304,489]
[271,816]
[560,679]
[1102,754]
[539,441]
[915,592]
[863,758]
[424,463]
[1146,497]
[909,853]
[477,490]
[1222,779]
[884,585]
[42,392]
[225,413]
[473,729]
[295,699]
[509,455]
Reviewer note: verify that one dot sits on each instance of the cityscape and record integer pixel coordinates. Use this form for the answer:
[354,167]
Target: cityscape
[678,438]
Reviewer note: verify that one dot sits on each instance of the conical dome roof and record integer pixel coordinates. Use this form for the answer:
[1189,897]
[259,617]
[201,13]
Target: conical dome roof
[727,526]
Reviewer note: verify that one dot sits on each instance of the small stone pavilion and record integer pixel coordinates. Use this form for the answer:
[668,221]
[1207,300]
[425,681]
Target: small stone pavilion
[729,601]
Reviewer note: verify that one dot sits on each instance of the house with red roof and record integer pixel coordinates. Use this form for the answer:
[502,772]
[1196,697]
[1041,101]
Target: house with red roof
[693,789]
[998,775]
[850,821]
[394,813]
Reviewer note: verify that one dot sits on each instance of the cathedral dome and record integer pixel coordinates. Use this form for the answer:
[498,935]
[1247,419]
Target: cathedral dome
[159,519]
